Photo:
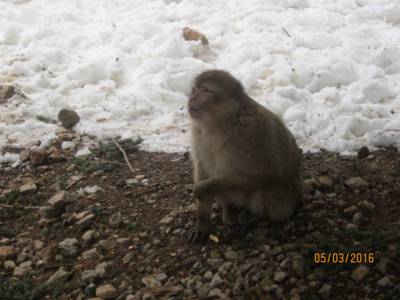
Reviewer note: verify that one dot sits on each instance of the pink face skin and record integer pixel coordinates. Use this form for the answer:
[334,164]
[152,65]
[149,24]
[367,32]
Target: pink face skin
[200,99]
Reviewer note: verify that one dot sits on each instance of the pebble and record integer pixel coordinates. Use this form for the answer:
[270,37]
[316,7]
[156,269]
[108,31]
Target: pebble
[360,272]
[68,247]
[68,118]
[58,277]
[28,187]
[106,291]
[382,264]
[9,265]
[216,281]
[7,252]
[357,183]
[350,211]
[115,220]
[384,281]
[325,290]
[279,276]
[231,255]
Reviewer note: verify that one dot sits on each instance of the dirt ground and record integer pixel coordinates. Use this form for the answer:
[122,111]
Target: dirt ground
[123,235]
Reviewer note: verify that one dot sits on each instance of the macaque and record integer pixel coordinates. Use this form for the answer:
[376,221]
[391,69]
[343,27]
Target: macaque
[244,156]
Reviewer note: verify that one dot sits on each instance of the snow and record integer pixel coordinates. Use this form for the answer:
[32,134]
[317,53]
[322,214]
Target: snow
[125,68]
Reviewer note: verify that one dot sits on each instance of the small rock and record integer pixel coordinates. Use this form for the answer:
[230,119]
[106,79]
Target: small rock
[107,245]
[58,277]
[308,185]
[28,187]
[115,220]
[86,222]
[350,211]
[106,291]
[91,254]
[216,281]
[90,290]
[89,235]
[363,153]
[38,245]
[68,247]
[21,271]
[325,183]
[357,183]
[38,157]
[382,264]
[89,276]
[9,265]
[203,290]
[216,294]
[24,155]
[66,145]
[166,220]
[208,275]
[231,255]
[367,204]
[279,276]
[6,92]
[60,200]
[68,118]
[357,218]
[360,272]
[131,181]
[7,252]
[325,290]
[298,262]
[384,281]
[150,281]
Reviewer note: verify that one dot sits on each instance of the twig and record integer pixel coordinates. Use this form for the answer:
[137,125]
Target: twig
[125,156]
[285,31]
[19,207]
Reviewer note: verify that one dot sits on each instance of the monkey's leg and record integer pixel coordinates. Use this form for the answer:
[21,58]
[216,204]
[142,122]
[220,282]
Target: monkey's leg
[247,220]
[229,214]
[203,226]
[281,202]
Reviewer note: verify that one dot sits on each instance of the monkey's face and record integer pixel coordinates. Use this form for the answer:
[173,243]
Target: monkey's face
[209,101]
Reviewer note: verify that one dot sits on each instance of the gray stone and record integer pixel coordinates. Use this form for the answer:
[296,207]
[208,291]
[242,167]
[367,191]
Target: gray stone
[106,291]
[28,187]
[382,264]
[279,276]
[9,265]
[68,118]
[231,255]
[115,220]
[216,281]
[58,277]
[68,247]
[325,290]
[360,272]
[384,281]
[357,183]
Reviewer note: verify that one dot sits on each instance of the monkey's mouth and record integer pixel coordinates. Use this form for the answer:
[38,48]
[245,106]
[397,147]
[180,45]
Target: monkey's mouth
[194,111]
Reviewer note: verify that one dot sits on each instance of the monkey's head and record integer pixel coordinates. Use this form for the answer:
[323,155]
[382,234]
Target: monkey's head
[216,95]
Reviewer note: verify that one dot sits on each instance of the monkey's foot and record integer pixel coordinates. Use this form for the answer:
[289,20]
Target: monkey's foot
[246,220]
[197,236]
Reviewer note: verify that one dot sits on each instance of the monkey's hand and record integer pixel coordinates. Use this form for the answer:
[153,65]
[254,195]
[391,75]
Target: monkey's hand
[201,189]
[197,236]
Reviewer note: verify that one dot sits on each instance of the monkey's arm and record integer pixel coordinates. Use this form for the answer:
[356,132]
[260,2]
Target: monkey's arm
[220,183]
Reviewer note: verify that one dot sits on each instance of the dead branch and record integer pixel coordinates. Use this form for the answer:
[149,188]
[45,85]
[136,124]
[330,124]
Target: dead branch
[19,207]
[287,33]
[125,156]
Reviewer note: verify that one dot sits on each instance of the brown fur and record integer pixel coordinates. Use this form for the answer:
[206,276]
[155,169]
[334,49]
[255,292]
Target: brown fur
[243,154]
